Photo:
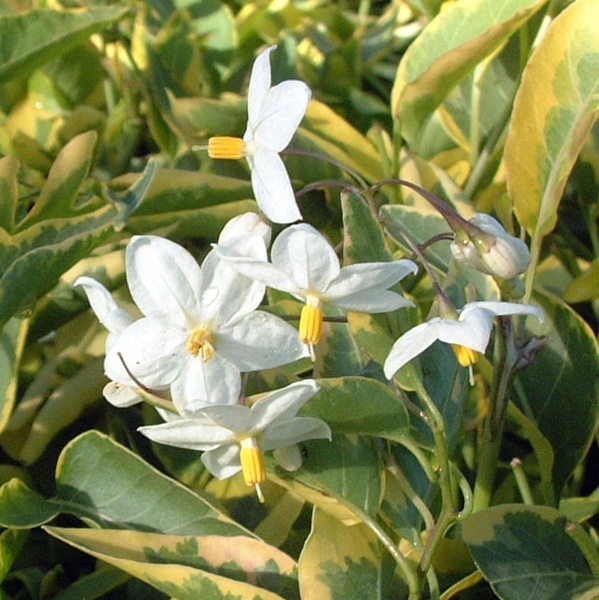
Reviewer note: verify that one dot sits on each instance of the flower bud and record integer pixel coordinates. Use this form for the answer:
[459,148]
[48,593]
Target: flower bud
[493,250]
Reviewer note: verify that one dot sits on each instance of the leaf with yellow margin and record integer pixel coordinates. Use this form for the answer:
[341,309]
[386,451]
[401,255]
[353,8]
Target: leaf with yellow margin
[453,43]
[554,110]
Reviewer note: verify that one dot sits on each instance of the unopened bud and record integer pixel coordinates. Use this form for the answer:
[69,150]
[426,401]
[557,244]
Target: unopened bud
[494,251]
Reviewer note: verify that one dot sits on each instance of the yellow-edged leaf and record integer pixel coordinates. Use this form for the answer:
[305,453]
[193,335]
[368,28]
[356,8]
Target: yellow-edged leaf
[453,43]
[555,108]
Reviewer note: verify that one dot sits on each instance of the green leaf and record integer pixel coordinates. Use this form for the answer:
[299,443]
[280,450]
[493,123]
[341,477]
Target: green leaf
[94,586]
[21,507]
[585,287]
[359,405]
[559,391]
[363,239]
[325,131]
[11,542]
[100,481]
[12,343]
[452,44]
[525,552]
[554,110]
[35,37]
[421,225]
[9,191]
[340,561]
[65,178]
[343,477]
[527,429]
[182,203]
[191,567]
[55,234]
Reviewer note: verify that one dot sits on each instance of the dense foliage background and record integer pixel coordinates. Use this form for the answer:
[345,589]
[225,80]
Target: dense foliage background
[489,105]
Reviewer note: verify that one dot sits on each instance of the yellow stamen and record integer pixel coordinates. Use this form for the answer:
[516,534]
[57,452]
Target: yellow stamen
[226,147]
[310,325]
[201,341]
[252,465]
[466,356]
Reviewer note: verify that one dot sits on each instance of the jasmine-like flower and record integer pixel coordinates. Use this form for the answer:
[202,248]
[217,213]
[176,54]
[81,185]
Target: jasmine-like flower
[304,264]
[199,329]
[489,248]
[233,438]
[468,333]
[274,113]
[116,319]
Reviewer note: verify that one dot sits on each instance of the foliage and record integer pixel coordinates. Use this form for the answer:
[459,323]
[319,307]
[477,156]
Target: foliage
[440,480]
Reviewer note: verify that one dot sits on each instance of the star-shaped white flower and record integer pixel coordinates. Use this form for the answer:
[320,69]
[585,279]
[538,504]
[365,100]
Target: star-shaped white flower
[200,327]
[116,319]
[469,333]
[233,438]
[305,265]
[274,113]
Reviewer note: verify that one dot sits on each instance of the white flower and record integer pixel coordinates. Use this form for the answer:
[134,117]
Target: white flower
[116,320]
[469,333]
[200,327]
[233,438]
[494,252]
[274,113]
[305,265]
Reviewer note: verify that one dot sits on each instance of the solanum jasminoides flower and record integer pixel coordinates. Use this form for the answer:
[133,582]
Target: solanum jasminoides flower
[492,249]
[468,333]
[274,113]
[233,438]
[199,327]
[304,264]
[116,319]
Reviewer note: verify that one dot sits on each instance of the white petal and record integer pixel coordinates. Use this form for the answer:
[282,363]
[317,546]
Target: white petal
[163,278]
[308,258]
[259,270]
[259,86]
[244,224]
[473,330]
[489,224]
[272,188]
[282,404]
[293,431]
[109,313]
[368,276]
[260,340]
[121,395]
[200,384]
[238,419]
[283,108]
[191,433]
[411,344]
[223,462]
[152,350]
[373,301]
[504,308]
[288,457]
[225,293]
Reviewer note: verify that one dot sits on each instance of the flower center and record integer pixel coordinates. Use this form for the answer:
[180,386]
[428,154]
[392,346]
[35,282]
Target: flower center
[201,342]
[466,356]
[252,464]
[226,147]
[310,325]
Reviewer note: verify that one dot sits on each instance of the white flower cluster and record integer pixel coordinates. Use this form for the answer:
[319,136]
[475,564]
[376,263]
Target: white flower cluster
[197,328]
